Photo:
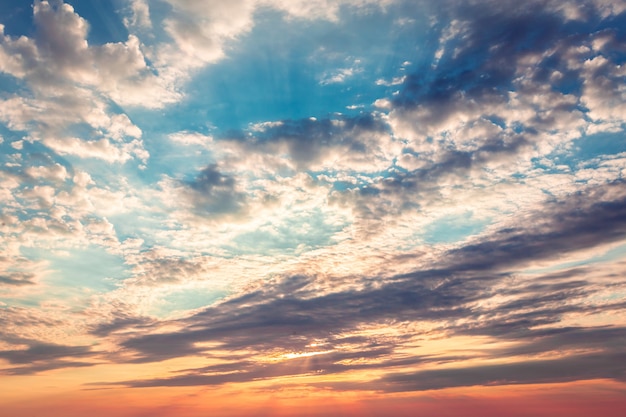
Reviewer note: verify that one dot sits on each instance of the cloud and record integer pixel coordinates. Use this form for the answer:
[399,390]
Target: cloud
[71,85]
[43,352]
[340,76]
[581,221]
[158,266]
[344,143]
[19,272]
[319,363]
[60,37]
[43,357]
[140,16]
[36,368]
[133,73]
[518,71]
[505,91]
[59,55]
[603,93]
[17,279]
[286,314]
[191,138]
[30,341]
[213,193]
[454,221]
[574,368]
[55,173]
[197,36]
[123,322]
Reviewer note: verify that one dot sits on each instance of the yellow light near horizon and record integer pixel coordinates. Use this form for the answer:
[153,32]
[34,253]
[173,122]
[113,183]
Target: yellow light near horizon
[294,355]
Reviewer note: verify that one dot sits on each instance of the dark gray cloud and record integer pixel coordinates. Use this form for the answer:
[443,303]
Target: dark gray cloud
[17,279]
[480,63]
[583,220]
[120,323]
[44,352]
[158,347]
[306,142]
[561,339]
[39,357]
[571,368]
[35,368]
[306,138]
[214,193]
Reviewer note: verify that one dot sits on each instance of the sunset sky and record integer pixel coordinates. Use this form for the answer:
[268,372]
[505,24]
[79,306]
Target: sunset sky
[312,208]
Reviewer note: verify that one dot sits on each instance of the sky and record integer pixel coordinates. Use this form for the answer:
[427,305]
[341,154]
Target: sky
[312,207]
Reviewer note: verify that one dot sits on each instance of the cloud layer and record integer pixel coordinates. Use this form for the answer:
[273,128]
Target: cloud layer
[454,215]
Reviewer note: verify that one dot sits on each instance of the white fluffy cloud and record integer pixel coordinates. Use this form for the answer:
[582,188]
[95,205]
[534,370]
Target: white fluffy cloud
[69,81]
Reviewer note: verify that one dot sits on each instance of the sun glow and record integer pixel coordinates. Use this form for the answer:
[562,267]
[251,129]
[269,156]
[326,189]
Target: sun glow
[294,355]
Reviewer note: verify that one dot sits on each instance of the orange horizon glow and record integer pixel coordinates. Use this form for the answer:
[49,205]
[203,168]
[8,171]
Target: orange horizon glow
[578,399]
